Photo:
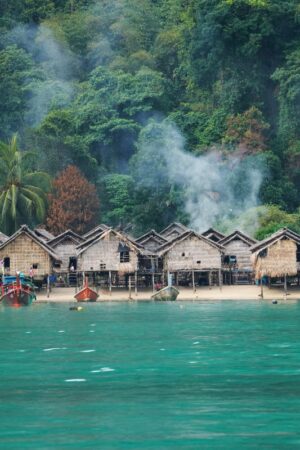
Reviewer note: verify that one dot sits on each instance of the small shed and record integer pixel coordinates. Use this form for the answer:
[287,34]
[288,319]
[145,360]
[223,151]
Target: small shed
[64,246]
[213,235]
[25,252]
[151,240]
[173,230]
[237,261]
[193,259]
[277,256]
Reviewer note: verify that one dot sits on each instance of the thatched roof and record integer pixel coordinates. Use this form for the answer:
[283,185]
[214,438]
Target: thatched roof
[3,237]
[25,230]
[68,235]
[96,231]
[213,235]
[163,249]
[174,227]
[276,255]
[151,234]
[151,237]
[43,234]
[280,234]
[238,235]
[81,248]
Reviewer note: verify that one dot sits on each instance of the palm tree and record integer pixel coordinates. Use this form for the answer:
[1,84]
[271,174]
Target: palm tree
[23,194]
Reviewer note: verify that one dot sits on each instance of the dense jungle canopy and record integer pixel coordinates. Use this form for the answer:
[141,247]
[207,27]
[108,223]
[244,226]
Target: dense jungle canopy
[94,84]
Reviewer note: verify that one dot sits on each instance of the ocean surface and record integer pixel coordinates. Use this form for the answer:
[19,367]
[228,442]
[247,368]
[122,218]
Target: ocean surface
[203,375]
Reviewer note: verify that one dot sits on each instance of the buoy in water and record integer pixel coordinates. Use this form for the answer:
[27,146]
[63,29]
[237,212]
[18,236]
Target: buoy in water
[76,308]
[274,302]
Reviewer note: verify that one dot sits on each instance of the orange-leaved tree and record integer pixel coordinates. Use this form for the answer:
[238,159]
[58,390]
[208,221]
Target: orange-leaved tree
[73,203]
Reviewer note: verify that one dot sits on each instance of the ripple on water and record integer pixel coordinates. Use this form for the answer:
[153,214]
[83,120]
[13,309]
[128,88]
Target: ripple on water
[87,351]
[75,380]
[51,349]
[103,369]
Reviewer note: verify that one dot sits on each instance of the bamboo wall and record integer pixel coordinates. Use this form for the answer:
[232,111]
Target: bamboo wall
[105,252]
[65,250]
[184,256]
[23,253]
[242,252]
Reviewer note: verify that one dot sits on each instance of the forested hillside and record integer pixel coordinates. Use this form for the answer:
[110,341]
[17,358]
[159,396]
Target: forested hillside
[174,109]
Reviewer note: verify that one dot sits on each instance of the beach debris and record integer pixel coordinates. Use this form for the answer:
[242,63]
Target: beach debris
[76,308]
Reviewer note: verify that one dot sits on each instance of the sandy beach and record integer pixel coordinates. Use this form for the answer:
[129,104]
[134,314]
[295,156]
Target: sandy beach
[202,293]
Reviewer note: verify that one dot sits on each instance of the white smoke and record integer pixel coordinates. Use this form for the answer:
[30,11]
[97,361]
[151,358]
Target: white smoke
[217,189]
[50,86]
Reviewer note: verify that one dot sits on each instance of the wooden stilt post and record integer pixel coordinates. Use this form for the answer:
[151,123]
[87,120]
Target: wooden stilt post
[109,281]
[209,279]
[220,279]
[285,286]
[261,287]
[136,283]
[48,286]
[193,281]
[129,286]
[153,288]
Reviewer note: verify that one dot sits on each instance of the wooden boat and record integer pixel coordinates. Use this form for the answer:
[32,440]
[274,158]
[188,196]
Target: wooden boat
[86,294]
[167,294]
[17,291]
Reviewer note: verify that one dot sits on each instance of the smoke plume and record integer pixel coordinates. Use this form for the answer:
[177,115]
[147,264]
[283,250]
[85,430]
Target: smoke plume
[217,189]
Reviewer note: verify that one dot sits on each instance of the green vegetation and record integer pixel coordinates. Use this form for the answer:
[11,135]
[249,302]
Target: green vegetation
[23,193]
[88,82]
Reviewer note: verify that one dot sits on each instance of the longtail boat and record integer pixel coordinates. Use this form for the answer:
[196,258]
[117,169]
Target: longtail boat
[17,291]
[86,294]
[169,293]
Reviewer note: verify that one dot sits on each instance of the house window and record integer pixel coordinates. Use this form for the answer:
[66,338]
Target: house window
[183,254]
[57,264]
[6,263]
[230,259]
[124,256]
[102,266]
[35,266]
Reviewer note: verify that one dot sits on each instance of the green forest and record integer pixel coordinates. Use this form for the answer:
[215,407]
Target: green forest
[172,110]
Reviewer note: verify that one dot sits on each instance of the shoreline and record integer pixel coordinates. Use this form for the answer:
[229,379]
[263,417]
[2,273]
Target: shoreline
[244,292]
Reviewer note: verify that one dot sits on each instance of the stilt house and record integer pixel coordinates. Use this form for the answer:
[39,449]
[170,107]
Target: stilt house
[64,246]
[237,261]
[278,255]
[193,259]
[173,230]
[111,254]
[25,252]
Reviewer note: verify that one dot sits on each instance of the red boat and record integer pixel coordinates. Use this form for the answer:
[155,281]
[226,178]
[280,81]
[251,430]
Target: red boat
[86,294]
[17,291]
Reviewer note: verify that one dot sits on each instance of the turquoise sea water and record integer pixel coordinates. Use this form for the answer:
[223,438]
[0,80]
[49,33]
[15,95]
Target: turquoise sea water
[223,375]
